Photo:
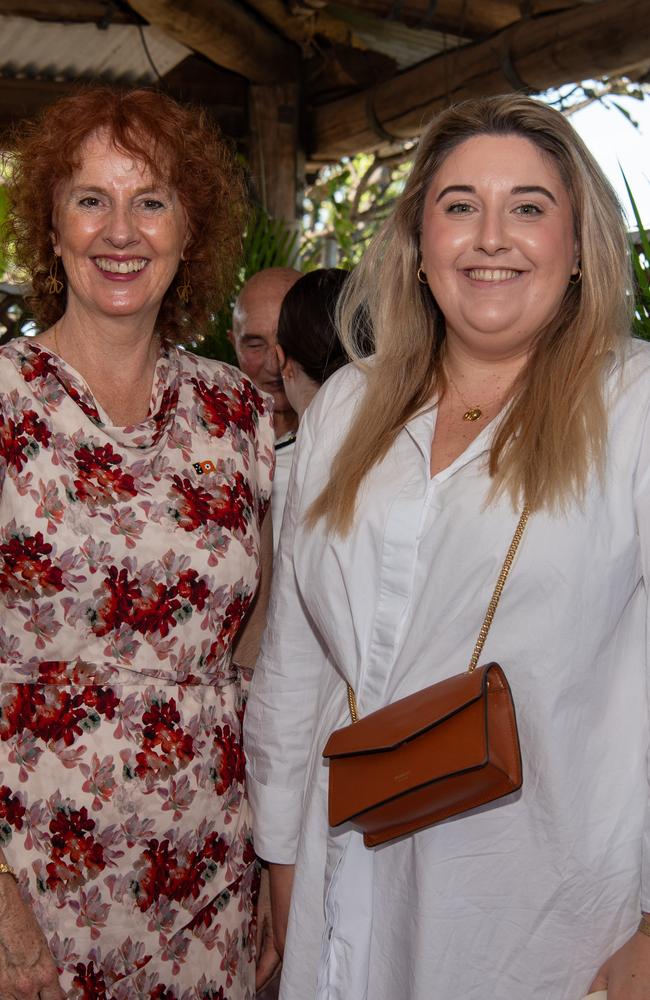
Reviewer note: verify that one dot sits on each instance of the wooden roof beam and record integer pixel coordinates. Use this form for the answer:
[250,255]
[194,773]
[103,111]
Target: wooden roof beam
[592,40]
[471,18]
[65,10]
[226,34]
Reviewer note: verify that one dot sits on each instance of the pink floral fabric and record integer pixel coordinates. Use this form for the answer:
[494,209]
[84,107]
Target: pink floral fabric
[128,558]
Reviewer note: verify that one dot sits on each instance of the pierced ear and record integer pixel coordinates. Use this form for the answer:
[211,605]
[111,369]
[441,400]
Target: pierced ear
[576,262]
[56,246]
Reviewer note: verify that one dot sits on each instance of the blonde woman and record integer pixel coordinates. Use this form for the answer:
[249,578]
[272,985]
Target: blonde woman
[504,373]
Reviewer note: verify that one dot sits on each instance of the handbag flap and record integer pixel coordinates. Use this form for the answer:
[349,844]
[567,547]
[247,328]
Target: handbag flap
[407,718]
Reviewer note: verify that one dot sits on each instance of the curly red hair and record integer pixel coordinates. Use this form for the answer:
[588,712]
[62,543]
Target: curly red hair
[180,147]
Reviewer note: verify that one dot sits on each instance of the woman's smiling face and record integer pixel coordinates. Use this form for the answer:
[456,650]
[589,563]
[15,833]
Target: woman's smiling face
[498,244]
[119,232]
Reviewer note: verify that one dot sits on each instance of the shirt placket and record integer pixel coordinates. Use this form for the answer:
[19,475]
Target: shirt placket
[397,563]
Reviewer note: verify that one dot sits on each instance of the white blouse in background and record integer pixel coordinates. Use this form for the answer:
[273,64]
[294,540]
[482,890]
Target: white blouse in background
[522,899]
[284,449]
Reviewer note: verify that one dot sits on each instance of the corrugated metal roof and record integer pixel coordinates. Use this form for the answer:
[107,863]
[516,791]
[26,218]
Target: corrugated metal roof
[84,51]
[407,46]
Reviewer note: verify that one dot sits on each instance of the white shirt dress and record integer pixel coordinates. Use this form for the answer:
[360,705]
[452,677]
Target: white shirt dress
[522,899]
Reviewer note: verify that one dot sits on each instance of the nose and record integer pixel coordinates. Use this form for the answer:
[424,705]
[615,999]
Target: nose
[492,235]
[271,362]
[120,227]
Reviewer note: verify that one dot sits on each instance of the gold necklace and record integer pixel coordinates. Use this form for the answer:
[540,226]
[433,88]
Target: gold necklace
[471,413]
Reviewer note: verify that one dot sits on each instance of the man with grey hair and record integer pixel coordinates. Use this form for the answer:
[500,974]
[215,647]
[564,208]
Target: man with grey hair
[254,338]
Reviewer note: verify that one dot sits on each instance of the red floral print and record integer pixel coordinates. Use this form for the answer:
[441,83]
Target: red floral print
[124,579]
[229,759]
[54,715]
[26,567]
[19,439]
[76,855]
[99,477]
[161,732]
[11,808]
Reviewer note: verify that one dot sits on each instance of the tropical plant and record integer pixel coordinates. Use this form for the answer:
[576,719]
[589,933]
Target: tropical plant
[268,243]
[347,202]
[640,253]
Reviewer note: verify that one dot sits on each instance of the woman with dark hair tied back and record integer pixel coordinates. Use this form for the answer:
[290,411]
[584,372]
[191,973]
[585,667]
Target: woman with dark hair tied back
[506,404]
[134,482]
[309,349]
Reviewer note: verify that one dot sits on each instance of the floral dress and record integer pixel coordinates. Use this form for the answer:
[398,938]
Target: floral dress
[128,558]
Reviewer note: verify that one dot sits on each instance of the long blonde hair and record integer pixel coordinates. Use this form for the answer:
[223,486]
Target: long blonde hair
[555,429]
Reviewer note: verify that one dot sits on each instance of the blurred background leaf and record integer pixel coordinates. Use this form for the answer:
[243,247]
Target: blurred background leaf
[640,253]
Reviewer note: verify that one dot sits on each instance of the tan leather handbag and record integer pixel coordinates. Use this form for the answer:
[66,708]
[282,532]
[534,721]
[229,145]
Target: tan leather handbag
[436,753]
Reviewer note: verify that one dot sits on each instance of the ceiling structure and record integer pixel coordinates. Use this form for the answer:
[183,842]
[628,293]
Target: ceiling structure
[307,80]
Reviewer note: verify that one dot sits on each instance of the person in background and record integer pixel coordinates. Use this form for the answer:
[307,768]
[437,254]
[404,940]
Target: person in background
[134,483]
[254,338]
[309,349]
[505,381]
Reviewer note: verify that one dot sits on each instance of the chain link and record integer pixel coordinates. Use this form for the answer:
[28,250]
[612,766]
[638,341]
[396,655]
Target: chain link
[498,590]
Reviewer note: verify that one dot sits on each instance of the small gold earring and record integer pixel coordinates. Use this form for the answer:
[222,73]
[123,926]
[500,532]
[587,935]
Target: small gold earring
[184,291]
[53,284]
[422,278]
[576,278]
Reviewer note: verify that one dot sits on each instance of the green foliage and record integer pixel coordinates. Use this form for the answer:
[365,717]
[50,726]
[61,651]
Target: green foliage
[268,243]
[348,202]
[641,265]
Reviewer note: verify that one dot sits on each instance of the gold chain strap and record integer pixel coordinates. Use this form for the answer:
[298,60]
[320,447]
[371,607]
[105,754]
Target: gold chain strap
[489,614]
[498,590]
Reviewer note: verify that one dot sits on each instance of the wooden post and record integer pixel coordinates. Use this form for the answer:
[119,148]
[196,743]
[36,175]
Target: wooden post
[275,159]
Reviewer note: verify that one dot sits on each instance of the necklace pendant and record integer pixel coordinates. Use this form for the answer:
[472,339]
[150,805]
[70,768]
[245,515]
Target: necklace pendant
[473,414]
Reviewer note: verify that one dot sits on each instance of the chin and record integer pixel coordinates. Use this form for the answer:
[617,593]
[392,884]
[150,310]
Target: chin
[281,404]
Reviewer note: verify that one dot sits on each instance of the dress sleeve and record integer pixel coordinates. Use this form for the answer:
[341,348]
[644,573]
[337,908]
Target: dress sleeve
[642,506]
[282,704]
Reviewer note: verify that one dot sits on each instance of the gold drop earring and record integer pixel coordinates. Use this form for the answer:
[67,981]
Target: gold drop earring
[184,291]
[53,284]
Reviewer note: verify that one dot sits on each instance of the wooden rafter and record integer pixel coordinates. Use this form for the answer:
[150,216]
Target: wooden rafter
[591,40]
[302,25]
[226,34]
[473,18]
[65,10]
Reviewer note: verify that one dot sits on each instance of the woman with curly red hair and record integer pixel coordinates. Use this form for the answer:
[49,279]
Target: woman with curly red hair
[134,482]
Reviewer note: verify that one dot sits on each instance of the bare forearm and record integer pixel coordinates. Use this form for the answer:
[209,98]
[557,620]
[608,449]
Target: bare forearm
[281,887]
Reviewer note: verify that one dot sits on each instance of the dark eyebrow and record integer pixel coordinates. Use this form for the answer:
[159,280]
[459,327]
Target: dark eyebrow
[523,189]
[465,188]
[535,189]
